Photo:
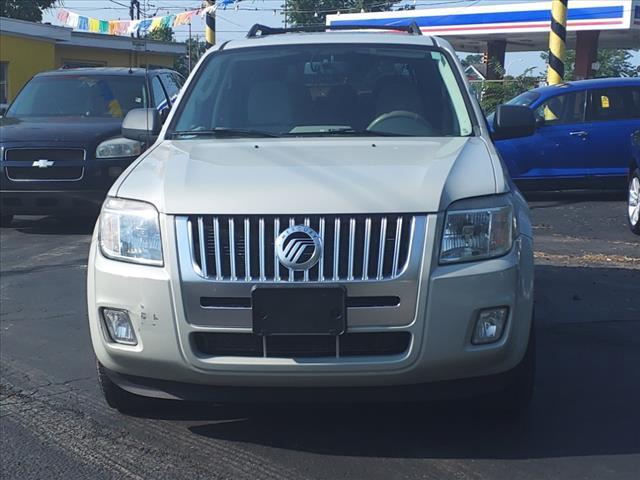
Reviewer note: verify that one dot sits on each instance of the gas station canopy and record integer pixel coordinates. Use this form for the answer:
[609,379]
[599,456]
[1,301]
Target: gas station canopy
[521,26]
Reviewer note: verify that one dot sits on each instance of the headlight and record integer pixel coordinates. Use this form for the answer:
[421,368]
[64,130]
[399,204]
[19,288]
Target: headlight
[118,147]
[130,232]
[477,233]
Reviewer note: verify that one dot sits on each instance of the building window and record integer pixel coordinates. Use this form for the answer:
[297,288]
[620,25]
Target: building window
[4,83]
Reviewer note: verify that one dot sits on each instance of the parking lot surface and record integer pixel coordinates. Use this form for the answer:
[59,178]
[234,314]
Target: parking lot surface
[584,421]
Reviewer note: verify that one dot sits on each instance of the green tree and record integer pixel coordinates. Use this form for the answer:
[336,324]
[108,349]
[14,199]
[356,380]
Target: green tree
[25,9]
[181,64]
[614,62]
[312,12]
[162,34]
[473,59]
[496,92]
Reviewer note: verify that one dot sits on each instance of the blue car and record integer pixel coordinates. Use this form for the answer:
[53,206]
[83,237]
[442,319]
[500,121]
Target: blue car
[582,139]
[634,184]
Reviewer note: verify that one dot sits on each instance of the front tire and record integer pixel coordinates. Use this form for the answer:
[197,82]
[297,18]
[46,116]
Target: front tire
[633,202]
[117,397]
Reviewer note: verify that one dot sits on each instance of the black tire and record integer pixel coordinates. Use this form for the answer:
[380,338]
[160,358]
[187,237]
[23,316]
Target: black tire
[117,397]
[5,220]
[633,191]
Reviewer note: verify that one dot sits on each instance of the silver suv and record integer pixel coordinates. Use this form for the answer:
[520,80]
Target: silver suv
[322,216]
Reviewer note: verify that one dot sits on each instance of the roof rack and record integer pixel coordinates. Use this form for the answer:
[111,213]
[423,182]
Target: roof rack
[259,30]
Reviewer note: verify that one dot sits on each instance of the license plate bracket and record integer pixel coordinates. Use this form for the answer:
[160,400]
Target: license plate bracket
[299,310]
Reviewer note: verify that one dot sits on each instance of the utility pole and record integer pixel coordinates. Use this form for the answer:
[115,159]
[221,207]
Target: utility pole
[134,11]
[189,47]
[557,42]
[210,23]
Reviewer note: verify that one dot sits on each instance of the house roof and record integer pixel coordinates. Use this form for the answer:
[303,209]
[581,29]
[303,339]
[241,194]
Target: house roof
[67,37]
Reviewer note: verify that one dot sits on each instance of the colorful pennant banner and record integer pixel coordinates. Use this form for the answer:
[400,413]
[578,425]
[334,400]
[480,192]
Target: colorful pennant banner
[124,27]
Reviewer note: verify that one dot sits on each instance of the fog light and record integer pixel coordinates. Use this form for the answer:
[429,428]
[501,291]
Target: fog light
[490,325]
[119,326]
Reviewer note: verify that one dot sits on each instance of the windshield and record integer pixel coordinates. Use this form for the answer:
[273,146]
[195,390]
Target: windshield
[317,90]
[79,96]
[524,99]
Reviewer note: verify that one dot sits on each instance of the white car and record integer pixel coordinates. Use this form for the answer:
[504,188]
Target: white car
[322,216]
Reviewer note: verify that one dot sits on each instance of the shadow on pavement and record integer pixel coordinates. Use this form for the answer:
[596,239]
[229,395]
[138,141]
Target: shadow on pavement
[72,225]
[571,197]
[587,399]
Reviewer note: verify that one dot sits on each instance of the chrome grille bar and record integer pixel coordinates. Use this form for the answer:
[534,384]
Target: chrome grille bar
[321,263]
[336,250]
[216,236]
[367,247]
[307,223]
[383,236]
[261,249]
[396,248]
[352,244]
[247,250]
[292,222]
[276,263]
[354,247]
[203,247]
[232,248]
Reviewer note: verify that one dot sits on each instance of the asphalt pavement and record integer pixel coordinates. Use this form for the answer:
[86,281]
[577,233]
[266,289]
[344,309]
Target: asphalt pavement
[583,423]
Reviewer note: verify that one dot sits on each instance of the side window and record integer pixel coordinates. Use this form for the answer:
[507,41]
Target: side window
[160,100]
[562,109]
[179,79]
[171,86]
[609,104]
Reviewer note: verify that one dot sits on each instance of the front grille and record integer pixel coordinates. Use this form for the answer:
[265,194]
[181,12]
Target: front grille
[43,174]
[51,154]
[301,346]
[354,248]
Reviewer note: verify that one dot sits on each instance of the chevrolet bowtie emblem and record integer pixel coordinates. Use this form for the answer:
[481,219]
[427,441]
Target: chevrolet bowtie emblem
[43,163]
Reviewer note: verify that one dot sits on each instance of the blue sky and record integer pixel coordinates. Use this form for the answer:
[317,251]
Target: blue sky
[233,23]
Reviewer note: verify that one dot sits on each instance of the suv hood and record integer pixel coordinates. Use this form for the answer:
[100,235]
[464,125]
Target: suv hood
[58,129]
[309,176]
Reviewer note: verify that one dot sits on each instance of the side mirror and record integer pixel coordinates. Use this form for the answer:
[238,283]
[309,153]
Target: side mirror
[540,121]
[513,121]
[3,110]
[142,124]
[164,114]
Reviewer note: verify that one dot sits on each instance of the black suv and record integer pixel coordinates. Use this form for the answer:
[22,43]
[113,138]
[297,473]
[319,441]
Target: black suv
[60,140]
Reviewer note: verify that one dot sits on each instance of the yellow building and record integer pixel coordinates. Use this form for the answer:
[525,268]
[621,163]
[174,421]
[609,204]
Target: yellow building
[27,48]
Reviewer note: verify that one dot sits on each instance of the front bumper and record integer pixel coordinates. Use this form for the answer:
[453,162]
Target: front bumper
[431,391]
[449,299]
[46,197]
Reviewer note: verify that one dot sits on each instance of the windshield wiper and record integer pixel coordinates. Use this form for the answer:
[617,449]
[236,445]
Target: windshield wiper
[348,131]
[224,132]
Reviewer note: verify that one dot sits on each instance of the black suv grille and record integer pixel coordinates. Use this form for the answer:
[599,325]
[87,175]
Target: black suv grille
[35,173]
[301,346]
[51,154]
